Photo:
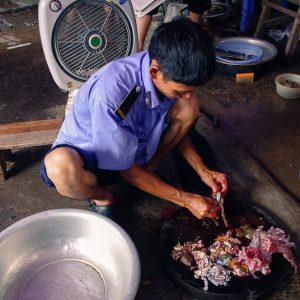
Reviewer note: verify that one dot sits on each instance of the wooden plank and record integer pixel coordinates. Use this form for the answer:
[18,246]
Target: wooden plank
[297,2]
[30,126]
[28,139]
[282,9]
[277,21]
[293,39]
[265,12]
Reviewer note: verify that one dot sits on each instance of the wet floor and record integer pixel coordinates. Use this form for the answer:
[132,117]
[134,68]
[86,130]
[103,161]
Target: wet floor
[263,122]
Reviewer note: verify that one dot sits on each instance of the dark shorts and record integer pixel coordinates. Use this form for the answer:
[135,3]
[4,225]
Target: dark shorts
[198,6]
[153,11]
[195,6]
[104,177]
[189,179]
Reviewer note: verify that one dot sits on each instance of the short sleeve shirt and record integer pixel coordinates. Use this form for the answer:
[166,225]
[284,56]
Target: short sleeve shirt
[93,125]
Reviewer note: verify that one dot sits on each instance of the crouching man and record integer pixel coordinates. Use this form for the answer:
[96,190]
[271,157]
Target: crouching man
[129,115]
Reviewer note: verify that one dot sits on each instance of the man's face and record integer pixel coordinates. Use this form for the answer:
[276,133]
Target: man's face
[169,88]
[175,90]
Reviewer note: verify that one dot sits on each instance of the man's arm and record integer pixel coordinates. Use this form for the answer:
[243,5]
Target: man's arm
[200,206]
[188,151]
[215,180]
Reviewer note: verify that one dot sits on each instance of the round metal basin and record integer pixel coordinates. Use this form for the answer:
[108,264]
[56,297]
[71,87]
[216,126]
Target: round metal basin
[269,50]
[67,254]
[260,66]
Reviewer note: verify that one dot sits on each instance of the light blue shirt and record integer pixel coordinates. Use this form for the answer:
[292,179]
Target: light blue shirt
[93,126]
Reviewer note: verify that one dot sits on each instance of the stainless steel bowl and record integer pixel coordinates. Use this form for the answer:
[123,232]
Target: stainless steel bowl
[269,50]
[67,254]
[260,66]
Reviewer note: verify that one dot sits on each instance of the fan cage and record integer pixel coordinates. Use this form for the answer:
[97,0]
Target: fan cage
[76,28]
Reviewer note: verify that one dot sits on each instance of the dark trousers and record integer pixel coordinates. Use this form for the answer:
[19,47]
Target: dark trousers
[195,6]
[189,179]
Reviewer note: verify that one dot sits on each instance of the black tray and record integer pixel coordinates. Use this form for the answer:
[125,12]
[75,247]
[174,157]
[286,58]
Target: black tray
[183,226]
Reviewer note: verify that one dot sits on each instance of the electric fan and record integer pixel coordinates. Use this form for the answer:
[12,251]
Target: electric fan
[79,37]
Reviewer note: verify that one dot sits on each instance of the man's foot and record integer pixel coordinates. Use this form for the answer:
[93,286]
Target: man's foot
[108,211]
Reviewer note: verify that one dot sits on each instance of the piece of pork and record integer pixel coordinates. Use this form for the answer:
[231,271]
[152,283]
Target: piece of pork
[184,252]
[207,270]
[258,255]
[224,248]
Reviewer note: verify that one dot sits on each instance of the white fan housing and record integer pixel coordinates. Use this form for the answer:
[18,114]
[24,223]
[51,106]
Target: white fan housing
[79,37]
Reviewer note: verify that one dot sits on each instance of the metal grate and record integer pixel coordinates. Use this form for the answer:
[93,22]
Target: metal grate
[90,34]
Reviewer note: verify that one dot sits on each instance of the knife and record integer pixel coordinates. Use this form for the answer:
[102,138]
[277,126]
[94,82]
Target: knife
[232,54]
[218,197]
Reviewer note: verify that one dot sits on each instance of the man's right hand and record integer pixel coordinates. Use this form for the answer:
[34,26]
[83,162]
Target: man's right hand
[202,207]
[149,182]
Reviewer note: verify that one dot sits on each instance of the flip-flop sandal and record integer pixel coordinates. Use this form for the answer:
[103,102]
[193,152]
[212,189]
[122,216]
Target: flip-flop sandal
[108,211]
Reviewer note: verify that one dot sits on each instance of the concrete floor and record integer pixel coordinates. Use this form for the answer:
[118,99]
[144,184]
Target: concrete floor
[263,125]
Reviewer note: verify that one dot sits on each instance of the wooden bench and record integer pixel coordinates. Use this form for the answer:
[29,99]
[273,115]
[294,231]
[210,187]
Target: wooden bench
[23,135]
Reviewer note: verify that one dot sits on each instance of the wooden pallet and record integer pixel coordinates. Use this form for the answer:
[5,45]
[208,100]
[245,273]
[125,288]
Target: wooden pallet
[23,135]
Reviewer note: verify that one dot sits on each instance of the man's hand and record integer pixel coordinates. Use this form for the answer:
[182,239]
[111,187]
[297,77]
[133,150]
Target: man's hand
[201,206]
[215,180]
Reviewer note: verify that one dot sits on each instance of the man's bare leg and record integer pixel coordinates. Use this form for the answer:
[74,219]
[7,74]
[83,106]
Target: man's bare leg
[182,118]
[143,25]
[197,18]
[64,168]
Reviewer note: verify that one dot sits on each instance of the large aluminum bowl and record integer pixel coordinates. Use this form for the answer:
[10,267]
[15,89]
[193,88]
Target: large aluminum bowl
[269,50]
[260,66]
[67,254]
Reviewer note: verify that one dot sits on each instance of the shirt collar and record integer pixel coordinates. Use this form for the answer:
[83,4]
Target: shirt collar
[149,86]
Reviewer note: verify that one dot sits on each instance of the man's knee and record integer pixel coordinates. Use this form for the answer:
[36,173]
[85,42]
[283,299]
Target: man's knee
[185,114]
[62,163]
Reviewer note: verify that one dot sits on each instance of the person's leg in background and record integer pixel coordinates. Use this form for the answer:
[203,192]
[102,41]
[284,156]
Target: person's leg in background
[143,25]
[197,18]
[196,9]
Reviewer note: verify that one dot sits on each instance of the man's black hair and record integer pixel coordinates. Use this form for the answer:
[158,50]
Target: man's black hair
[183,51]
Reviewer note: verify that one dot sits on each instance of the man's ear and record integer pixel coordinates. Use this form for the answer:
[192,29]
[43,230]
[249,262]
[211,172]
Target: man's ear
[154,70]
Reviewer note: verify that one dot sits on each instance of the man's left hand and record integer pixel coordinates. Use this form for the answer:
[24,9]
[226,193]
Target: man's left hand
[215,180]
